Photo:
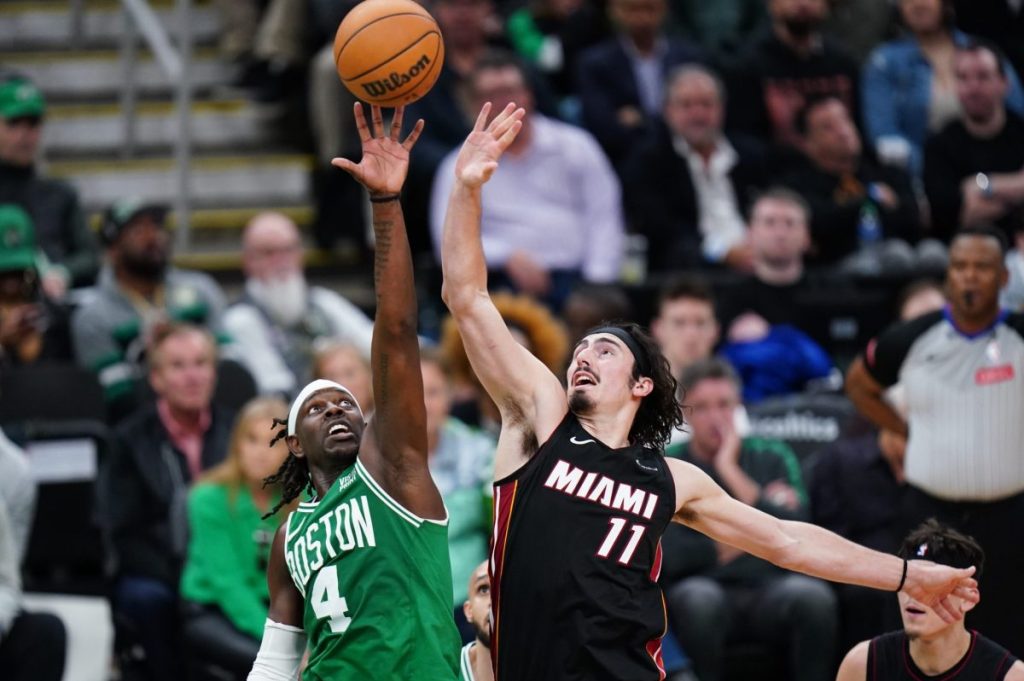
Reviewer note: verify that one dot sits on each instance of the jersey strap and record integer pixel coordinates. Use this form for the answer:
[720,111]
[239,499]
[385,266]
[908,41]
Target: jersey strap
[402,512]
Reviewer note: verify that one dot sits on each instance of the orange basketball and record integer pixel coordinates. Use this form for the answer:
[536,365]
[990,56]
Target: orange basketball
[388,52]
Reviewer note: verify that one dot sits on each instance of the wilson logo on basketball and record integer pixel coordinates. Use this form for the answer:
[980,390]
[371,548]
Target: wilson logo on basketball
[376,88]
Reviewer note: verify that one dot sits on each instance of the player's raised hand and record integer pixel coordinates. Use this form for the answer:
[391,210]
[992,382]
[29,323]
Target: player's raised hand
[385,161]
[479,155]
[934,585]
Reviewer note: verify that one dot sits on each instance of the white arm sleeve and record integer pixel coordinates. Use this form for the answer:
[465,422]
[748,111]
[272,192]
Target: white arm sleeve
[280,653]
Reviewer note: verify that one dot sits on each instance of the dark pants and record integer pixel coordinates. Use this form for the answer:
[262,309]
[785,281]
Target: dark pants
[149,610]
[999,527]
[212,641]
[34,648]
[794,612]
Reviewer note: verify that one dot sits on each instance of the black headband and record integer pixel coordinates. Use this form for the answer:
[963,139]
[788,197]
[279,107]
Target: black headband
[643,362]
[941,555]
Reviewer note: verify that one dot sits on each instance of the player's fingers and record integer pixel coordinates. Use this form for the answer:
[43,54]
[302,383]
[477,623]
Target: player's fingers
[378,120]
[481,119]
[414,135]
[364,132]
[508,121]
[396,123]
[501,119]
[967,593]
[510,134]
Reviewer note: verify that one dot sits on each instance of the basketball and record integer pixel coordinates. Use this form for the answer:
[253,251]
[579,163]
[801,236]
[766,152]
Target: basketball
[388,52]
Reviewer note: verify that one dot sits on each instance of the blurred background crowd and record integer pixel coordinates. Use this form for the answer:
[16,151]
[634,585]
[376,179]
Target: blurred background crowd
[817,207]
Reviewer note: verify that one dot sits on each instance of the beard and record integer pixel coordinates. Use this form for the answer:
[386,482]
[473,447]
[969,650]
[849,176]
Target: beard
[149,265]
[800,27]
[283,299]
[483,634]
[580,404]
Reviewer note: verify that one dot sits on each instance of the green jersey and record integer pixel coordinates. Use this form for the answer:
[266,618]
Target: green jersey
[377,585]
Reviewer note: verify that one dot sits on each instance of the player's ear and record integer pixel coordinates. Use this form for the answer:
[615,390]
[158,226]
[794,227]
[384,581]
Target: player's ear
[295,447]
[643,386]
[467,611]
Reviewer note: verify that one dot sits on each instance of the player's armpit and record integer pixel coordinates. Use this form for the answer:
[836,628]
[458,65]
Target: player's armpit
[855,664]
[286,602]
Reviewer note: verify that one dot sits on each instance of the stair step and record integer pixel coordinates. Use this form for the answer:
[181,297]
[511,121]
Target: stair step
[228,219]
[98,75]
[34,25]
[216,181]
[99,129]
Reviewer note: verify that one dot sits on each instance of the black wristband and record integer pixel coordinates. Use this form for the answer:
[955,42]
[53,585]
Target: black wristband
[387,198]
[903,579]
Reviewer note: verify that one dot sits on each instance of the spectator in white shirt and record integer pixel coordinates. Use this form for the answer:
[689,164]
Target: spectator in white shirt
[552,212]
[280,316]
[687,186]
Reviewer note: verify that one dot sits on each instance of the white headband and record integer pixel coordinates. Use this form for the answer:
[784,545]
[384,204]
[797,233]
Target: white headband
[315,387]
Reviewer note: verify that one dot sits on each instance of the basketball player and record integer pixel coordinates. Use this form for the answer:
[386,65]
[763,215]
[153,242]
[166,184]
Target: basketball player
[929,647]
[363,569]
[475,662]
[582,492]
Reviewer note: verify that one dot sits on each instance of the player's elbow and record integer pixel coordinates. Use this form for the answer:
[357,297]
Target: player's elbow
[459,299]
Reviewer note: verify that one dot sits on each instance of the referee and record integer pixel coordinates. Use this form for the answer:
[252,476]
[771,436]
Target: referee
[963,371]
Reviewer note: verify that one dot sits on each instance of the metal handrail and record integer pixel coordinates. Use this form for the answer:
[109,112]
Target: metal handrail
[140,19]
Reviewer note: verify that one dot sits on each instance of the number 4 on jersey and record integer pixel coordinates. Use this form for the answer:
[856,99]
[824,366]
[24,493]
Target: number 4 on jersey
[617,525]
[327,602]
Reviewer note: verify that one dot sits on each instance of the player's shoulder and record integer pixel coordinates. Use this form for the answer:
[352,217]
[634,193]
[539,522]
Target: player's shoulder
[855,664]
[1015,672]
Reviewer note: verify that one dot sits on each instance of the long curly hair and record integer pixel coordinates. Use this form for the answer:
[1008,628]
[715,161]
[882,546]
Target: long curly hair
[660,411]
[549,341]
[292,476]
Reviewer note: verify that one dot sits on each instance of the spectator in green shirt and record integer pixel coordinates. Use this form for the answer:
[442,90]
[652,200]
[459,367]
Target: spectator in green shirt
[224,586]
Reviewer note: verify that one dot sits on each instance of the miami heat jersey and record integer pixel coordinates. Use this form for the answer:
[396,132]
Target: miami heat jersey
[889,660]
[575,560]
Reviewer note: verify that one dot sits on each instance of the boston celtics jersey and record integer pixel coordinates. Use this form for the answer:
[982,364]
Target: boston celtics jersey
[377,585]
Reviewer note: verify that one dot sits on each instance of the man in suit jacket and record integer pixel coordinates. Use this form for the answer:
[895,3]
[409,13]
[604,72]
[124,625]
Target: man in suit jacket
[621,81]
[687,186]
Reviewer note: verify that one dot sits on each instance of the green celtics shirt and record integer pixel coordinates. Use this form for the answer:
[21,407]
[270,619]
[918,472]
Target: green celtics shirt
[377,585]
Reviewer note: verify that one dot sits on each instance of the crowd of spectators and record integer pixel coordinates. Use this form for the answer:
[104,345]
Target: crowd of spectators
[752,183]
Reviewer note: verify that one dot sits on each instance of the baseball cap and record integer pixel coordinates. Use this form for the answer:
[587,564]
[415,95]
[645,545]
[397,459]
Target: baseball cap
[17,239]
[19,97]
[121,213]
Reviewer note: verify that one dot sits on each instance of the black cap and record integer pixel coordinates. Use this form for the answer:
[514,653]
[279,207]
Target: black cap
[123,211]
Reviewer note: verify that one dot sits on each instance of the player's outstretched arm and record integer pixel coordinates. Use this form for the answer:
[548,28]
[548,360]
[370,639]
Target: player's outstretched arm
[855,664]
[394,448]
[515,379]
[284,641]
[812,550]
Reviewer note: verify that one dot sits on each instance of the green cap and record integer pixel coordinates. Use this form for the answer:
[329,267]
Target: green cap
[20,98]
[17,239]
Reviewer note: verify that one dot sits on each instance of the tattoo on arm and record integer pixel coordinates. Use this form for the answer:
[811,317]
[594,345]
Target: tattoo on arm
[383,233]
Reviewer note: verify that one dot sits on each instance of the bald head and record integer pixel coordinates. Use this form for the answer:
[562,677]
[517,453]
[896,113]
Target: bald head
[271,247]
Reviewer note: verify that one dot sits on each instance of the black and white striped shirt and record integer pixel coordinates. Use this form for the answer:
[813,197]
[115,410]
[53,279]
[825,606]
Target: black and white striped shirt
[965,403]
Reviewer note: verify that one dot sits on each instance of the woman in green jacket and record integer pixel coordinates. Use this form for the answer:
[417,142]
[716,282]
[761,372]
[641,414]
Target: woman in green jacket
[224,585]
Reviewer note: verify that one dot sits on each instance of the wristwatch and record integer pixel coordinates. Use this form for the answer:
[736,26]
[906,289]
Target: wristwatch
[985,185]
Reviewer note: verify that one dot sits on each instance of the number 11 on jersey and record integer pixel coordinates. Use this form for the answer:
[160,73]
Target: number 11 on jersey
[617,525]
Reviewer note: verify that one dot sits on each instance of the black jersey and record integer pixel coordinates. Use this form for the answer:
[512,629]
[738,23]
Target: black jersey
[889,660]
[575,561]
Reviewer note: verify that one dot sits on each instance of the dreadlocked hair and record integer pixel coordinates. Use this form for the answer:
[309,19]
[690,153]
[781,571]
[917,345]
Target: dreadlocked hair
[292,476]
